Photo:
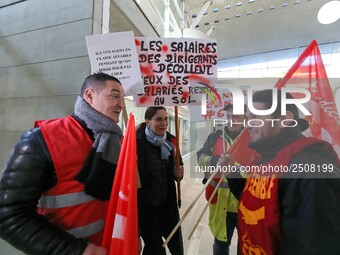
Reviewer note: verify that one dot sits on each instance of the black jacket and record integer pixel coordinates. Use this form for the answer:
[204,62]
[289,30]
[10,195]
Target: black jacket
[28,173]
[211,141]
[309,207]
[172,216]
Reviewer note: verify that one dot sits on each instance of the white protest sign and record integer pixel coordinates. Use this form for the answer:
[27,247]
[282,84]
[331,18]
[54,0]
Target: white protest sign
[116,55]
[175,70]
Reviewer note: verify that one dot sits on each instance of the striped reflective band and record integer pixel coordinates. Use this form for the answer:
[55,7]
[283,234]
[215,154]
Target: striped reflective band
[223,185]
[66,200]
[118,230]
[87,230]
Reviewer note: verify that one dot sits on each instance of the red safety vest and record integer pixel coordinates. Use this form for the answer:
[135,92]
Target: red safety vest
[259,229]
[66,205]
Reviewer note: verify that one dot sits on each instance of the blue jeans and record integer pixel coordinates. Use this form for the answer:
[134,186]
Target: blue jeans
[220,247]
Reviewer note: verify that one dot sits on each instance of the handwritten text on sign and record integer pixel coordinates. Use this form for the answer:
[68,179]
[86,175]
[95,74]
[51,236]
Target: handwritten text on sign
[172,68]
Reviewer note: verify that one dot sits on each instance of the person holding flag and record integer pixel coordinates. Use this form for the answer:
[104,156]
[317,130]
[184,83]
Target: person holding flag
[289,203]
[223,206]
[67,166]
[157,205]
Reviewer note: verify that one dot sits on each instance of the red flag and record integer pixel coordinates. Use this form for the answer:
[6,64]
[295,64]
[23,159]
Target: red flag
[308,72]
[121,226]
[240,152]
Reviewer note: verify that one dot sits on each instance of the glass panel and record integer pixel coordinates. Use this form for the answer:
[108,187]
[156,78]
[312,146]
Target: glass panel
[155,12]
[277,63]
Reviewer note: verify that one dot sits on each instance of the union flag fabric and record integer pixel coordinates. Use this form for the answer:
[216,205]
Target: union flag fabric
[121,226]
[307,72]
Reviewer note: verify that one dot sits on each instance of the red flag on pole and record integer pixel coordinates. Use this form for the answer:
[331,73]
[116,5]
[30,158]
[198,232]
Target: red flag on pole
[307,72]
[121,226]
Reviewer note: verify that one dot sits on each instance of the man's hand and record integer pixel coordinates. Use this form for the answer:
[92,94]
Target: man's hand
[179,172]
[225,161]
[92,249]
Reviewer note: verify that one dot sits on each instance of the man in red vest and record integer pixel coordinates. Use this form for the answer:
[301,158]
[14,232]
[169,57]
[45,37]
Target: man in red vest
[289,204]
[65,166]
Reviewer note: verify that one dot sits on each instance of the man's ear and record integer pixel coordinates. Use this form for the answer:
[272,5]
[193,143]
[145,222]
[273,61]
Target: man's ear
[289,116]
[88,95]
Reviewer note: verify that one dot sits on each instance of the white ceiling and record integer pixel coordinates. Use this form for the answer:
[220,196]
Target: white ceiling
[245,27]
[242,27]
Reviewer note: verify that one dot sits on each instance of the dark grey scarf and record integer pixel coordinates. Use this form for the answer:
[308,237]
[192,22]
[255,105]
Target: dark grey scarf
[98,170]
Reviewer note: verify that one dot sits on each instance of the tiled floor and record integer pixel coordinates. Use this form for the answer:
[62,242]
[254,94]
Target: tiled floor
[202,239]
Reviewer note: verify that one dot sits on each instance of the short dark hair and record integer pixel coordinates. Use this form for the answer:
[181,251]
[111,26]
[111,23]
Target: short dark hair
[96,81]
[266,97]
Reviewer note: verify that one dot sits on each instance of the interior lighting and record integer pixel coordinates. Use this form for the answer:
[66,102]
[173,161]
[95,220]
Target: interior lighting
[329,12]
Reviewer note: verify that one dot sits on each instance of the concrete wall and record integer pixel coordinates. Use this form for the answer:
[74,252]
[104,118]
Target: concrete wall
[44,59]
[43,62]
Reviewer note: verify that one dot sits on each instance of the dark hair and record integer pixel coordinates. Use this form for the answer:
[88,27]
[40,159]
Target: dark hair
[149,113]
[96,81]
[266,97]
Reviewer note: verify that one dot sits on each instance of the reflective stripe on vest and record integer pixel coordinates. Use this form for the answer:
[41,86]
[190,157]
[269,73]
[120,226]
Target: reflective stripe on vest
[223,185]
[66,204]
[87,230]
[65,200]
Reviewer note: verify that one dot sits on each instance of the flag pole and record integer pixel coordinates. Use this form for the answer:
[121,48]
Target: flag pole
[212,195]
[189,209]
[205,208]
[223,140]
[125,116]
[179,201]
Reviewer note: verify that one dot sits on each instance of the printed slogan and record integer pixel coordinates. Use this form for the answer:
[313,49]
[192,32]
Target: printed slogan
[116,55]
